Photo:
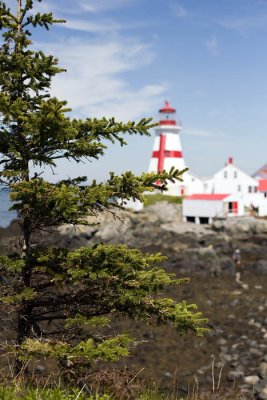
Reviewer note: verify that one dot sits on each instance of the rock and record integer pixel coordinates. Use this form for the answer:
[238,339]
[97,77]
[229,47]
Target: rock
[227,265]
[255,352]
[261,267]
[221,341]
[165,212]
[225,357]
[233,375]
[167,374]
[251,379]
[263,394]
[40,368]
[263,370]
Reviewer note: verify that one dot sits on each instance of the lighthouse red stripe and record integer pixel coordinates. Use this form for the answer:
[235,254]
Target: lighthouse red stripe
[168,153]
[162,147]
[167,122]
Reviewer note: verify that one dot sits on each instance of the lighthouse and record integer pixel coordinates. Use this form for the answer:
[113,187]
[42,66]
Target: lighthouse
[167,149]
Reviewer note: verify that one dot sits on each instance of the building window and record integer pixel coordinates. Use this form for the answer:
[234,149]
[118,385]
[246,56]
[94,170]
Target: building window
[250,189]
[239,188]
[265,194]
[225,174]
[235,174]
[255,189]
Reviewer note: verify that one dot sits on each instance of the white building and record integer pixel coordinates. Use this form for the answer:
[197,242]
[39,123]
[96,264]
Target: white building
[262,193]
[204,208]
[231,179]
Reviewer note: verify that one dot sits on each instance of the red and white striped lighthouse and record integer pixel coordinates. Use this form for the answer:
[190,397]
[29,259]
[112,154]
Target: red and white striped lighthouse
[167,150]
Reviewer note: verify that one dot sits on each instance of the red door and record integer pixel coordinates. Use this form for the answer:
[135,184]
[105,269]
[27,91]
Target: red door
[235,207]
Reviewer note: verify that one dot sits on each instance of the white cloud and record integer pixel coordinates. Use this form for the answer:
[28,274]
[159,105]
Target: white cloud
[94,84]
[212,45]
[179,10]
[244,24]
[82,6]
[102,5]
[90,26]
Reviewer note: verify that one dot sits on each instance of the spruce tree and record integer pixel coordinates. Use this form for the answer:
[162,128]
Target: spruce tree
[60,299]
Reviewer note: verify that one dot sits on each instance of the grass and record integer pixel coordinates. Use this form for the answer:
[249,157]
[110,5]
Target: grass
[151,199]
[16,393]
[20,393]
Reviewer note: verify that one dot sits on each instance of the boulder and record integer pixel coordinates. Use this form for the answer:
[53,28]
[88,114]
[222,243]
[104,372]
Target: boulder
[260,267]
[251,379]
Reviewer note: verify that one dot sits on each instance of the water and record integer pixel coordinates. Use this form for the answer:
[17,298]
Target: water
[5,216]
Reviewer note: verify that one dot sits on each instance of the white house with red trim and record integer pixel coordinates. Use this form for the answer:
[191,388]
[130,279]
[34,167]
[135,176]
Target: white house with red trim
[204,208]
[262,193]
[231,179]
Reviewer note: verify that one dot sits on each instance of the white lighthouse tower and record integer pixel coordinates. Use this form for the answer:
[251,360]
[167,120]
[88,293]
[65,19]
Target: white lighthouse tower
[167,150]
[167,153]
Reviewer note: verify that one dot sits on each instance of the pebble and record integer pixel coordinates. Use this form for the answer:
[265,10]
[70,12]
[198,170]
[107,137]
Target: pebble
[263,394]
[167,374]
[263,370]
[255,352]
[265,336]
[225,357]
[233,375]
[40,368]
[251,379]
[222,341]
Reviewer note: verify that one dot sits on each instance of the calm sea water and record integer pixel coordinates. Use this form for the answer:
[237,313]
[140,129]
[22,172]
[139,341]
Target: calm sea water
[5,216]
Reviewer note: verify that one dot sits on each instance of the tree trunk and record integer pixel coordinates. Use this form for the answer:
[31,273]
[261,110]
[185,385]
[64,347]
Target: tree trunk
[25,321]
[19,16]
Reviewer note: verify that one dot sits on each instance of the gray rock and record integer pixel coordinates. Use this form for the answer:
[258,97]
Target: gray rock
[234,375]
[261,267]
[263,370]
[221,341]
[255,352]
[263,394]
[251,379]
[227,265]
[225,357]
[165,212]
[40,368]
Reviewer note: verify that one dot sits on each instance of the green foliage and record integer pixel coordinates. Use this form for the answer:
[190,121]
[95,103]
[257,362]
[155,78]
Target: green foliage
[108,350]
[13,393]
[150,199]
[63,300]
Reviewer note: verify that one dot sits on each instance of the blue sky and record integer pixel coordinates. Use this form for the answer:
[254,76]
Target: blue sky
[125,57]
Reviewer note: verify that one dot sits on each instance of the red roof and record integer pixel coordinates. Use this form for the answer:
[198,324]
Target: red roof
[167,108]
[207,197]
[263,185]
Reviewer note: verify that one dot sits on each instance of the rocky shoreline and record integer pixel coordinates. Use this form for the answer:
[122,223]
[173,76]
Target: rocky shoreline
[235,351]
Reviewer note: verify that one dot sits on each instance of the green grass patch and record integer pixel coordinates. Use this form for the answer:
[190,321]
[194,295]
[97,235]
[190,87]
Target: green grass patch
[17,393]
[151,199]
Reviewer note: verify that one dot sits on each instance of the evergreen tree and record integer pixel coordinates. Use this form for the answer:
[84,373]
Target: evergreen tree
[60,299]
